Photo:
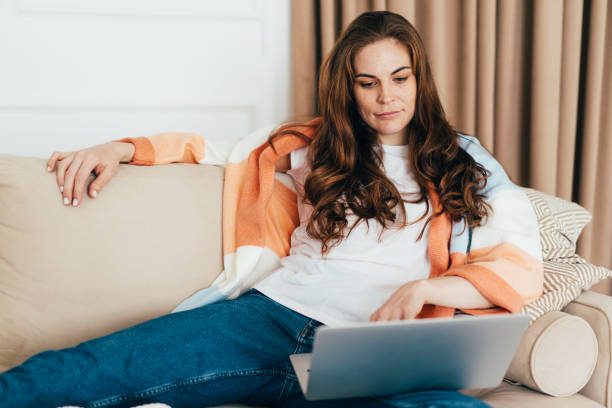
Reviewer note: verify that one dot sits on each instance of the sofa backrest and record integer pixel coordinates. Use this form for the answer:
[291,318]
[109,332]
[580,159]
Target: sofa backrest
[151,238]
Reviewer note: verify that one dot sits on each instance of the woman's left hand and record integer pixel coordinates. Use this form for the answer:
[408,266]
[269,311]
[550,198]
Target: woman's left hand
[406,303]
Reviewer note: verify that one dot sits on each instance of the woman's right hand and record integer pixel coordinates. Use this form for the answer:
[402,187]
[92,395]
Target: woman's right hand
[74,168]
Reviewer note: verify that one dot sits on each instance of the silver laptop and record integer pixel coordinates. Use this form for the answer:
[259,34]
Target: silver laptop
[386,358]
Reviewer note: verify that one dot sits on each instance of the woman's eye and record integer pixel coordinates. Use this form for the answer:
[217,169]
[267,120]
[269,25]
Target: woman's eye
[366,84]
[401,79]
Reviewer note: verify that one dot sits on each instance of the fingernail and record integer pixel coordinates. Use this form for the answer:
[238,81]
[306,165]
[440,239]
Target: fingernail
[61,189]
[94,193]
[48,168]
[74,202]
[66,201]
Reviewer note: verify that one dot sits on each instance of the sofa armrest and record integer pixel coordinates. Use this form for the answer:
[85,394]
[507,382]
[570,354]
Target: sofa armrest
[151,239]
[596,309]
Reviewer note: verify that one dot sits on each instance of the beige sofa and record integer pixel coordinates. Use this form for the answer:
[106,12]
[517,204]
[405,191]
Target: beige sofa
[152,237]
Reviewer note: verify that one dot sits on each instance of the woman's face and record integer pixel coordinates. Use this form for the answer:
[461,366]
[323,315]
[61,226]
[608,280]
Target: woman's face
[385,89]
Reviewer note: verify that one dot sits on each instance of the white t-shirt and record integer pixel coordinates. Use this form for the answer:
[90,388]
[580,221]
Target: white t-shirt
[360,274]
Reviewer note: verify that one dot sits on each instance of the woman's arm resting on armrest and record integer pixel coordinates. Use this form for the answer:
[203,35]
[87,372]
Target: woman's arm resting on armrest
[74,168]
[165,148]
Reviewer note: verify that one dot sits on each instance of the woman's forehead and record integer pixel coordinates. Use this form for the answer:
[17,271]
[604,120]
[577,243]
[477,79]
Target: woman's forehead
[382,57]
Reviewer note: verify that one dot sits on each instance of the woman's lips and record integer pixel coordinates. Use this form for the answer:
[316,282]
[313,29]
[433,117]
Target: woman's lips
[387,115]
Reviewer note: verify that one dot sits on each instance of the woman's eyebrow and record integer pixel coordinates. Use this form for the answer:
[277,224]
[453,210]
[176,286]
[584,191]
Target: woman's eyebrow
[393,73]
[400,68]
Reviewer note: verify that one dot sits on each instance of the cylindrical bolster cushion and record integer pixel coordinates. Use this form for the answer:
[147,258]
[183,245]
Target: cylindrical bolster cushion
[557,355]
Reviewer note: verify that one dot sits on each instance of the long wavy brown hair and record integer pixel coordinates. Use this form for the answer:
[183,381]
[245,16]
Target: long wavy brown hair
[345,154]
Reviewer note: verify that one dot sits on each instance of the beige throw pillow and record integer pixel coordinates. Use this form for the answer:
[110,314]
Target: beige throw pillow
[566,274]
[560,222]
[564,281]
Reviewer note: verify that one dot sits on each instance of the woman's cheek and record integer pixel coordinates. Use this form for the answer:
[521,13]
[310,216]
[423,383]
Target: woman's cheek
[364,115]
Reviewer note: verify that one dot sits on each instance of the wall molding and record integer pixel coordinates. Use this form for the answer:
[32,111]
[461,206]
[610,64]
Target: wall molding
[193,9]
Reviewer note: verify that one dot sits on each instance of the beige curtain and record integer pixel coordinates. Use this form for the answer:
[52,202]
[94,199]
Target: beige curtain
[531,79]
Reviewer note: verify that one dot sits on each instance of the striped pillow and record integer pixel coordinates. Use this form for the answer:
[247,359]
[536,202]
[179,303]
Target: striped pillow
[566,274]
[564,281]
[561,222]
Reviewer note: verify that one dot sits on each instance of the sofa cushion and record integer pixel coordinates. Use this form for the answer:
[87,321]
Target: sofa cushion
[151,238]
[557,355]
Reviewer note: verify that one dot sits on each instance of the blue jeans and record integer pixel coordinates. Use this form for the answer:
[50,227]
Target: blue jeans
[230,351]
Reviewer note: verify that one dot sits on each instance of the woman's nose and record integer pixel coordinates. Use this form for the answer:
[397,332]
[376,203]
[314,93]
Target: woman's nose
[384,94]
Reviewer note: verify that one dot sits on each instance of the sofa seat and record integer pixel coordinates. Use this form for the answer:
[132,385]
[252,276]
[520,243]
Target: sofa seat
[508,395]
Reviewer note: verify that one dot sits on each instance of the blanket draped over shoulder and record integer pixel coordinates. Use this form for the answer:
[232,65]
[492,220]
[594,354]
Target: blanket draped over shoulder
[501,258]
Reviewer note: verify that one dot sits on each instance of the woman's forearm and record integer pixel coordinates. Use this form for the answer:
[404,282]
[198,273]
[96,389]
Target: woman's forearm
[453,291]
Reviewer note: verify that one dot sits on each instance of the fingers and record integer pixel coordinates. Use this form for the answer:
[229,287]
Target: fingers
[99,182]
[396,314]
[62,166]
[80,180]
[54,158]
[386,314]
[74,169]
[381,315]
[69,181]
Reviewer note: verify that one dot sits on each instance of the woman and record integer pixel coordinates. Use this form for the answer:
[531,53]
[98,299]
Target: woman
[382,166]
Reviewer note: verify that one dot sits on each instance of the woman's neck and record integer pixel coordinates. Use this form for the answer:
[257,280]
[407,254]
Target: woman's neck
[396,139]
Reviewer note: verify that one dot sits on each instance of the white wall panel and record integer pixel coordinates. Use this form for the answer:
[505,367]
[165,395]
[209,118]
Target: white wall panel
[34,130]
[188,8]
[79,72]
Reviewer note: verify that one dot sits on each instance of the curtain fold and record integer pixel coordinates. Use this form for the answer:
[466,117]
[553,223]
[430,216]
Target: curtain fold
[530,79]
[510,94]
[570,87]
